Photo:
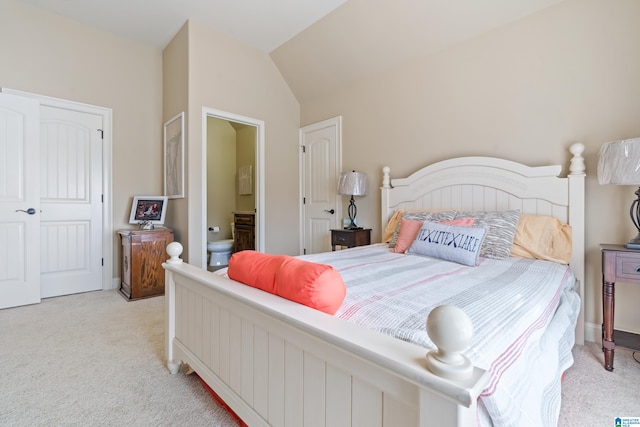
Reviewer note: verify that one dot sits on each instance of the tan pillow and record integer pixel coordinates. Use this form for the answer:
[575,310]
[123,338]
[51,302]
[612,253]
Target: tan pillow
[542,237]
[388,231]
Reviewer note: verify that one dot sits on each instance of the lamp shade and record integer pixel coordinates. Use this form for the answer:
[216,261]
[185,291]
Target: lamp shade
[352,183]
[619,162]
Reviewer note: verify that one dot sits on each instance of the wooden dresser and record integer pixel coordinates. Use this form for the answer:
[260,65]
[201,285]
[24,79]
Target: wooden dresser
[143,252]
[245,234]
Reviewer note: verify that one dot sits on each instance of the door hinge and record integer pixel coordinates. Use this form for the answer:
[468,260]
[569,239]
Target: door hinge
[304,252]
[101,133]
[103,262]
[102,198]
[304,149]
[304,200]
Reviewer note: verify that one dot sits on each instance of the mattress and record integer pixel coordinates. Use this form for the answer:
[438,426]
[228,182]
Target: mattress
[523,312]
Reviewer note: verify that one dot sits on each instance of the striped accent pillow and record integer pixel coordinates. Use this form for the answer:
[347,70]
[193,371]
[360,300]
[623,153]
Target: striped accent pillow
[501,230]
[421,216]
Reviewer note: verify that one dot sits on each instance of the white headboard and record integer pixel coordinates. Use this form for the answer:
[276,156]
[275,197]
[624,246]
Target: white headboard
[492,184]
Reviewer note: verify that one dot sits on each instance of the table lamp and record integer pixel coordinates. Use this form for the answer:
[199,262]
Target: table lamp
[619,164]
[352,184]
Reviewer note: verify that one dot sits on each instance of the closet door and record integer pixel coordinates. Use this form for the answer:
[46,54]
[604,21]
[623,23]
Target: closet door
[19,201]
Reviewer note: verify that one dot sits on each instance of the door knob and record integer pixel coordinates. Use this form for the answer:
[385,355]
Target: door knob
[331,211]
[29,211]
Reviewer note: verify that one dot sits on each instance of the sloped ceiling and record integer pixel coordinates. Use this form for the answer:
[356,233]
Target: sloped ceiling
[365,37]
[318,45]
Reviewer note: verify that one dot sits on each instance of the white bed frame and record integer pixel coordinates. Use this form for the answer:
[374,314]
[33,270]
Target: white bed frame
[275,362]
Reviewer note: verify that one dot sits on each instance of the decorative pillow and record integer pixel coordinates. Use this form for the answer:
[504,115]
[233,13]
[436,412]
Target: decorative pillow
[409,230]
[434,216]
[390,228]
[501,230]
[255,269]
[315,285]
[542,237]
[449,242]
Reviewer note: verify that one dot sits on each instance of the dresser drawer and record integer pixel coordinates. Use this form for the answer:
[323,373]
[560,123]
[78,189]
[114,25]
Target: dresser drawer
[628,266]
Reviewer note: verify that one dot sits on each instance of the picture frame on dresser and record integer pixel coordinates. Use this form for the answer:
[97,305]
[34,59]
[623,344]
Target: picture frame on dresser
[174,157]
[148,210]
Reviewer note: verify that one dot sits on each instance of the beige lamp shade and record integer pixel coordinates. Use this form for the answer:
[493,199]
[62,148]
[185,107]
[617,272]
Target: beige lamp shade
[352,184]
[619,162]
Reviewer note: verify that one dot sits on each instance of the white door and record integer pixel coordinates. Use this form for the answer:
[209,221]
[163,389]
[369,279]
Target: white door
[19,202]
[320,165]
[70,201]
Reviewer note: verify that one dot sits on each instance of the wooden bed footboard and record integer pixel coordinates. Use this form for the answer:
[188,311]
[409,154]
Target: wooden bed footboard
[278,363]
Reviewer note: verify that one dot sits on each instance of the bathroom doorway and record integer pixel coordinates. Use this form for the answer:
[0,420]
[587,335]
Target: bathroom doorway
[233,184]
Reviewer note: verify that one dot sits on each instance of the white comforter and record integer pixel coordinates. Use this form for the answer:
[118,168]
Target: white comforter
[523,312]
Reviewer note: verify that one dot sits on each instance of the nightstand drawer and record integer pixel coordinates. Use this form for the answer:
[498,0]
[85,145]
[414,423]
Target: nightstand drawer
[628,266]
[350,237]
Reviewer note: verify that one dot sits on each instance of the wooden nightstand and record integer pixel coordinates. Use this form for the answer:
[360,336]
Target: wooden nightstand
[350,238]
[143,252]
[618,263]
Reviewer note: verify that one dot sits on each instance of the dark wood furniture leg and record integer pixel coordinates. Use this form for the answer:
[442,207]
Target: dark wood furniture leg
[608,306]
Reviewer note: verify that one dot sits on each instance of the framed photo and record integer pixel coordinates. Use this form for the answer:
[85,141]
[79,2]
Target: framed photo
[174,157]
[148,210]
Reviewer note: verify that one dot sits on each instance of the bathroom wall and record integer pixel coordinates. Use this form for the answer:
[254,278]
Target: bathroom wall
[229,146]
[246,155]
[221,177]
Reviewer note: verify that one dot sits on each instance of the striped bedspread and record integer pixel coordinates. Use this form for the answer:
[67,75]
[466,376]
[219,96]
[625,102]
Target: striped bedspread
[523,312]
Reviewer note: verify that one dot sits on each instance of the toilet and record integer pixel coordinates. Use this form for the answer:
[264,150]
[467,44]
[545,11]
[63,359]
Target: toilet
[220,252]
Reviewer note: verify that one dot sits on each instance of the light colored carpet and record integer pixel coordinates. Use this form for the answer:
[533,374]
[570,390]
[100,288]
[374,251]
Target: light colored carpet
[592,396]
[96,359]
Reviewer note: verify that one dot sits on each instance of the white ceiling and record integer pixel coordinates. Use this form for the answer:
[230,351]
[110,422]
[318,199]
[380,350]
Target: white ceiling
[264,24]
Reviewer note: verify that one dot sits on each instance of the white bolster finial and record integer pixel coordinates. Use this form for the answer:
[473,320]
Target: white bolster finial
[451,331]
[174,250]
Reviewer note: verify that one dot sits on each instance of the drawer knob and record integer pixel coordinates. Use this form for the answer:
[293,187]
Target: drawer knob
[638,269]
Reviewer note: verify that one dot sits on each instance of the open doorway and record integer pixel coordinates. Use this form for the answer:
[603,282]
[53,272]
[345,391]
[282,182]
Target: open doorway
[233,186]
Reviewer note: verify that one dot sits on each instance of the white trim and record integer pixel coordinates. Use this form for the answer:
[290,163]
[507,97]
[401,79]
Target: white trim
[260,203]
[107,164]
[593,332]
[334,121]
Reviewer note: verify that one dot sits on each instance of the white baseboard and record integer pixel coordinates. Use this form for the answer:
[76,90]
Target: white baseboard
[593,333]
[115,283]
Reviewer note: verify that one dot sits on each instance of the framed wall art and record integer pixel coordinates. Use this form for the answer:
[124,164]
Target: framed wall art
[174,157]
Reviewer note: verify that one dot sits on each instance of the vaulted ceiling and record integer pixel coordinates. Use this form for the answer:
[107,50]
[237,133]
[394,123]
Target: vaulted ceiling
[318,46]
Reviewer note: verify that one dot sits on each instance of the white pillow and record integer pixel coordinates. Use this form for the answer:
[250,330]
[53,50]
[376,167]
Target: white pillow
[449,242]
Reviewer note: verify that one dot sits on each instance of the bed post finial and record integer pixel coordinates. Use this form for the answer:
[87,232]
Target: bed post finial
[386,181]
[577,161]
[174,249]
[451,331]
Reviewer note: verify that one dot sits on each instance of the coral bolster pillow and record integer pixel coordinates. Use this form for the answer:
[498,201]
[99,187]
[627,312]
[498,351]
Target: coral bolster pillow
[255,269]
[315,285]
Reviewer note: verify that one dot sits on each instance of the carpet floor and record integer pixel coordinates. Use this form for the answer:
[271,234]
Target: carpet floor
[96,359]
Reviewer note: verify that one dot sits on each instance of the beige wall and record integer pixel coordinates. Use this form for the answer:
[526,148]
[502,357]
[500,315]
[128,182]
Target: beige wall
[50,55]
[525,92]
[229,76]
[221,177]
[175,89]
[246,155]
